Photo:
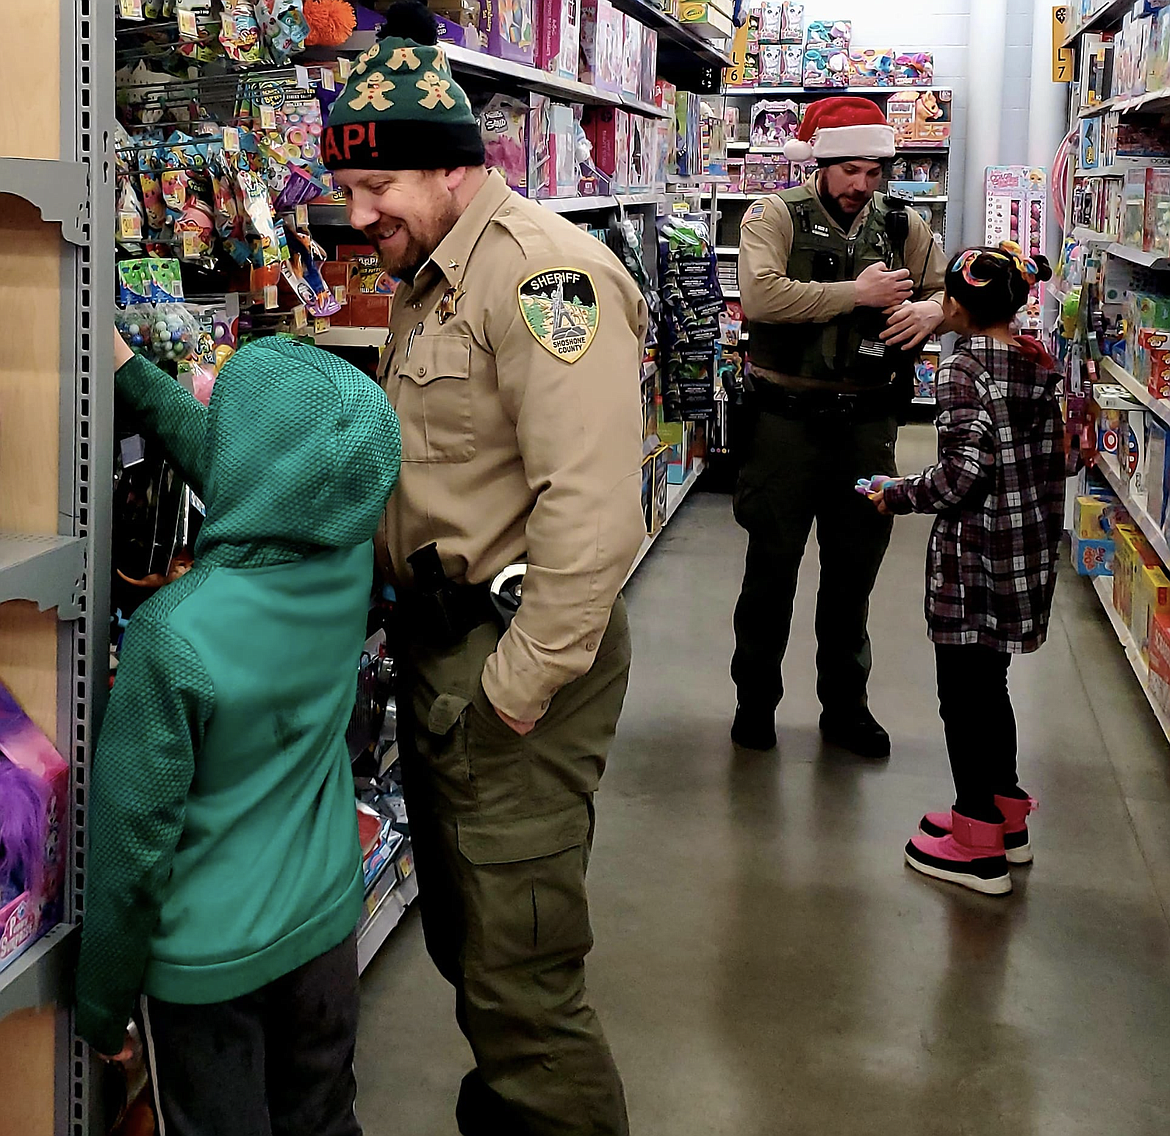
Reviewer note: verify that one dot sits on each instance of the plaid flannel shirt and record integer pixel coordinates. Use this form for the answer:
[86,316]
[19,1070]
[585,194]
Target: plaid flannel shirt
[998,490]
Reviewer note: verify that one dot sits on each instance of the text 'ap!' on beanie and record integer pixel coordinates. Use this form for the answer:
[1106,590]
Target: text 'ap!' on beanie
[401,109]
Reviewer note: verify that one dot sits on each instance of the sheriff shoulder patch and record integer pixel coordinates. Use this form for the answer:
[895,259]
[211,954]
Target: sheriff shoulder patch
[757,210]
[561,310]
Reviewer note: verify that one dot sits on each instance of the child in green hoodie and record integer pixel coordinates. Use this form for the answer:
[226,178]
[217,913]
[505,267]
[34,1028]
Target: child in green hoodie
[225,875]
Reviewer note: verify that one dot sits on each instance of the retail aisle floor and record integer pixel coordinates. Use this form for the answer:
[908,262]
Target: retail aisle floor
[765,964]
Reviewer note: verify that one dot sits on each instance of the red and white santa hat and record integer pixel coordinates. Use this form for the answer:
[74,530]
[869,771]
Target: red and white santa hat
[840,128]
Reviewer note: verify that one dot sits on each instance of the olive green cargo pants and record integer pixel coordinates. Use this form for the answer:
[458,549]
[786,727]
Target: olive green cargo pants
[501,828]
[795,472]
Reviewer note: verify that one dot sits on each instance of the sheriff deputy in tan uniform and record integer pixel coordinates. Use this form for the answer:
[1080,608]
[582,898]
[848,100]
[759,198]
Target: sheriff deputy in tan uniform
[840,285]
[513,361]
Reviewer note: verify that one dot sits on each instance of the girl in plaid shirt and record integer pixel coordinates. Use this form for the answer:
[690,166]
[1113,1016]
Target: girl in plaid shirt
[997,490]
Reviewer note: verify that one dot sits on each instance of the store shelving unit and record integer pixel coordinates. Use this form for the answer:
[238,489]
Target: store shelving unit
[1103,588]
[1110,12]
[352,337]
[42,975]
[1109,15]
[506,73]
[1117,374]
[675,496]
[56,446]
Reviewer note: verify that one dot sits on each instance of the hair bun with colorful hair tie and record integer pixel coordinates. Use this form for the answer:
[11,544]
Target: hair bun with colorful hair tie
[1028,268]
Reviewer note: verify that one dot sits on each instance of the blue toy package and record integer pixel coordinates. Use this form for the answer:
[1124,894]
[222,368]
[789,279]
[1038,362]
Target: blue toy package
[836,34]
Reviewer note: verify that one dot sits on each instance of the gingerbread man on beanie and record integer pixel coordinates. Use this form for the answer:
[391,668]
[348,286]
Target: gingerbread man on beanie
[401,108]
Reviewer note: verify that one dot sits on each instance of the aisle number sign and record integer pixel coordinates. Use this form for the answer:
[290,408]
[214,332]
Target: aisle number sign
[1062,57]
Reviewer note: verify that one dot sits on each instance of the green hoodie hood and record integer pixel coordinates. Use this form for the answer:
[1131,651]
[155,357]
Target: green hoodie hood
[300,454]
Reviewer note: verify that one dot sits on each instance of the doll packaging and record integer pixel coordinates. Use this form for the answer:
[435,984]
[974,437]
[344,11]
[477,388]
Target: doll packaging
[552,149]
[608,129]
[34,812]
[601,47]
[914,69]
[559,45]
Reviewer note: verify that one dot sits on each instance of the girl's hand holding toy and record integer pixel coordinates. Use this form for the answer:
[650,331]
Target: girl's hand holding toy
[874,488]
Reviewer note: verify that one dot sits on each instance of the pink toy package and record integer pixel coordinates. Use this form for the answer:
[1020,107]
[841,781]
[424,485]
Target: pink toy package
[559,44]
[631,55]
[552,160]
[34,787]
[507,27]
[608,130]
[914,69]
[503,124]
[601,45]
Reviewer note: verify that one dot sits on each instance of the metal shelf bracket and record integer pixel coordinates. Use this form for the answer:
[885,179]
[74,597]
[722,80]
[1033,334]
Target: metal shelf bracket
[49,570]
[59,189]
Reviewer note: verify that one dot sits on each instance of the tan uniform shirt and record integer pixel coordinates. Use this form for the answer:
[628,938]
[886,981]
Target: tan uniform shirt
[769,296]
[520,412]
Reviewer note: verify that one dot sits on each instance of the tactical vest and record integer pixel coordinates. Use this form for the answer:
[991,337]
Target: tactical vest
[821,252]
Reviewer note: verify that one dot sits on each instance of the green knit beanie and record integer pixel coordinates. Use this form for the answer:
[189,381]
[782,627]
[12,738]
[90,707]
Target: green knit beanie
[401,109]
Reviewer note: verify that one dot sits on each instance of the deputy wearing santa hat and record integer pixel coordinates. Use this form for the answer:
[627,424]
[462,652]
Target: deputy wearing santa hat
[840,286]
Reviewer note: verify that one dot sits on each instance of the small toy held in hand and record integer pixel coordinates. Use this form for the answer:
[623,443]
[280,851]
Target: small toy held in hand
[868,486]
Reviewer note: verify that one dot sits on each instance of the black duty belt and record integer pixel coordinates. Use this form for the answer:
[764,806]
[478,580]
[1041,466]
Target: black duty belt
[856,406]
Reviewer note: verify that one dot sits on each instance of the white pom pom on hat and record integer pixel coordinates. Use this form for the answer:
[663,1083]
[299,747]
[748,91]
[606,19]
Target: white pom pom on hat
[797,151]
[842,127]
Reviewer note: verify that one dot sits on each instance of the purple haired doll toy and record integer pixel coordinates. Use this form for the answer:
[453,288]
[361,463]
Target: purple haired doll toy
[34,783]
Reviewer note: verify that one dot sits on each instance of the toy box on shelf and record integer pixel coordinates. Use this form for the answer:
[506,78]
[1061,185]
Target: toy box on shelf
[1160,661]
[1017,210]
[503,124]
[371,287]
[926,375]
[559,37]
[458,22]
[601,45]
[34,786]
[921,118]
[712,20]
[508,30]
[608,131]
[552,149]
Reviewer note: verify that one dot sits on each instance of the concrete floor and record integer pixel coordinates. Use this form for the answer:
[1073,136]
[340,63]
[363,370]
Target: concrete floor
[766,964]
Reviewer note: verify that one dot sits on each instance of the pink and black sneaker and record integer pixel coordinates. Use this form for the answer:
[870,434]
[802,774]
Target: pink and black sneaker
[971,855]
[1016,842]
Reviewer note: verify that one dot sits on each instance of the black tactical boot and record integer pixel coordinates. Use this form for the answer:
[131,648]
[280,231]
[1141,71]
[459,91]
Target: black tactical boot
[754,728]
[856,731]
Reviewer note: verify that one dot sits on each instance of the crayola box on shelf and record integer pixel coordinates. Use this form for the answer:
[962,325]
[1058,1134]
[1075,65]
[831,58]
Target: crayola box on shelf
[707,19]
[33,877]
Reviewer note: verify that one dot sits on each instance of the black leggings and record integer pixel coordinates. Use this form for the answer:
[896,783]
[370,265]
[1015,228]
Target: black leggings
[980,727]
